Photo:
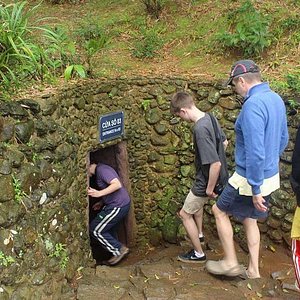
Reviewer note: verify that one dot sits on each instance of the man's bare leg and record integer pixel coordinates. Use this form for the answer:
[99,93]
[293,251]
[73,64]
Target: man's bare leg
[253,240]
[226,237]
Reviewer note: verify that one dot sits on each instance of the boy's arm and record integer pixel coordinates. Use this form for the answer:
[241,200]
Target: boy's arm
[113,186]
[214,171]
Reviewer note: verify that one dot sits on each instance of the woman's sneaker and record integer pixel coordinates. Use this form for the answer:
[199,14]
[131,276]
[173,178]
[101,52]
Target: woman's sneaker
[190,257]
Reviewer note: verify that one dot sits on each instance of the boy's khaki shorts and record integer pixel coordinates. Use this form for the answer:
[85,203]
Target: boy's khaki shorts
[193,203]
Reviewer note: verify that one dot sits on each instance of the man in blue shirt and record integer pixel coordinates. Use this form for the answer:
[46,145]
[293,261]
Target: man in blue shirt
[261,137]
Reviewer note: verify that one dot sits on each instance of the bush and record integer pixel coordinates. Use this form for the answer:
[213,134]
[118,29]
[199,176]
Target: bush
[22,55]
[154,7]
[91,29]
[147,43]
[248,32]
[290,28]
[293,81]
[93,37]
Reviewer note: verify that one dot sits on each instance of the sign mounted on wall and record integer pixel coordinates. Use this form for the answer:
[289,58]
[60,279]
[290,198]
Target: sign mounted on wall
[111,126]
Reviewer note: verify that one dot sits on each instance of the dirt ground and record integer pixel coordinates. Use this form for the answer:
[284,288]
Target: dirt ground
[276,269]
[155,273]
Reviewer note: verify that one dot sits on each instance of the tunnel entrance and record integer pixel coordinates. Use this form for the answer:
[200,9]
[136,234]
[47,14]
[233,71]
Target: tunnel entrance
[115,156]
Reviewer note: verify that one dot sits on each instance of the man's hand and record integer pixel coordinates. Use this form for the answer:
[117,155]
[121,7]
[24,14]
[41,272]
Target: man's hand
[94,193]
[258,202]
[97,205]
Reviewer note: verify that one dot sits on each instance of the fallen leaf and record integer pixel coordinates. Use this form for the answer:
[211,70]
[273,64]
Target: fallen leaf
[259,294]
[271,248]
[193,284]
[249,286]
[156,277]
[289,271]
[116,287]
[175,278]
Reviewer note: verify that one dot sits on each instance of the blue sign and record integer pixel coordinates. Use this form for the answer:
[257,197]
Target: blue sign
[111,126]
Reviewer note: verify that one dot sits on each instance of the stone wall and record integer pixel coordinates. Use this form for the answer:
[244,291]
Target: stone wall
[45,141]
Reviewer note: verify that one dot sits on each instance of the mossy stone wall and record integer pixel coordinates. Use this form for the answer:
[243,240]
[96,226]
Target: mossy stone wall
[45,141]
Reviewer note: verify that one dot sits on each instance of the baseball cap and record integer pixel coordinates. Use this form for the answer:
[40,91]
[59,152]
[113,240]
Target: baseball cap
[242,67]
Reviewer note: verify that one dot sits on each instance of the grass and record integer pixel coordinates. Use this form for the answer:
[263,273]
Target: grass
[188,29]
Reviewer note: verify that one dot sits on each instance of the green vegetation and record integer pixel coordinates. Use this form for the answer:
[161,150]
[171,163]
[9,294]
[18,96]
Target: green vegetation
[120,37]
[293,81]
[5,260]
[249,31]
[147,42]
[20,57]
[145,104]
[73,70]
[60,252]
[19,194]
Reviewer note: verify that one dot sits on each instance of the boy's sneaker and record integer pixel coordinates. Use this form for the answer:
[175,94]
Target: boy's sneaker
[190,257]
[115,259]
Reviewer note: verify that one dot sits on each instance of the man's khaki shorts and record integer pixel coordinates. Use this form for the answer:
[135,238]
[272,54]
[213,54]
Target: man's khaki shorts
[193,203]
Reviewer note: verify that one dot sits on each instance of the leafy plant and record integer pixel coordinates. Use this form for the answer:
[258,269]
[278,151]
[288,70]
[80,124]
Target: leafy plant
[289,30]
[293,81]
[145,104]
[22,55]
[248,31]
[16,45]
[5,260]
[74,70]
[293,107]
[60,48]
[35,157]
[154,7]
[291,23]
[92,47]
[90,28]
[19,194]
[93,37]
[294,104]
[147,42]
[60,252]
